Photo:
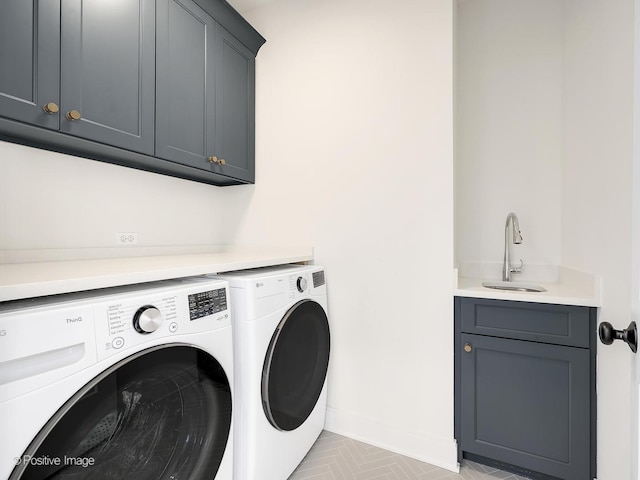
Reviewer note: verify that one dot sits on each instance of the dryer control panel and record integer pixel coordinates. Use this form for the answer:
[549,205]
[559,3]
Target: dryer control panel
[302,281]
[305,282]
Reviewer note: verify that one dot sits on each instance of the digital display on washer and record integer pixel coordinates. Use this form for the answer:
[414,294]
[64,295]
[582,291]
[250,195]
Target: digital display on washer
[207,303]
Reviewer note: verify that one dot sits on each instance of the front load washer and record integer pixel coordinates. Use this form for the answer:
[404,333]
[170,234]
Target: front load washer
[281,355]
[129,382]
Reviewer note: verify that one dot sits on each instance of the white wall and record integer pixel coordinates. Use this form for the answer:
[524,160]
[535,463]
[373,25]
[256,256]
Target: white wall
[354,156]
[55,201]
[597,193]
[508,128]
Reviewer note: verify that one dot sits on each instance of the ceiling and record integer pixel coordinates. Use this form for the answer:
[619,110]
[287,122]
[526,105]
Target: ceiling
[243,6]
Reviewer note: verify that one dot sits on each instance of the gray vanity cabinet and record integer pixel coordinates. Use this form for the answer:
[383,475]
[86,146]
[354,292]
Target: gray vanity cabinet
[205,93]
[525,387]
[85,68]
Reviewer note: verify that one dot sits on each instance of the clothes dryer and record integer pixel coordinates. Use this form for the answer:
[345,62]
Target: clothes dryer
[281,354]
[132,382]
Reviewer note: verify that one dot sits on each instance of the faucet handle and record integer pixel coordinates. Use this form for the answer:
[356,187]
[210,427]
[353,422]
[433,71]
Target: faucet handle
[517,269]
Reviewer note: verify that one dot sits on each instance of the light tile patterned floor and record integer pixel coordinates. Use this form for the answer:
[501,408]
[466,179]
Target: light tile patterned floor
[334,457]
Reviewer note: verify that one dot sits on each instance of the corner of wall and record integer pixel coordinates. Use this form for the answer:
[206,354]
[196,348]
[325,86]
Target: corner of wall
[439,451]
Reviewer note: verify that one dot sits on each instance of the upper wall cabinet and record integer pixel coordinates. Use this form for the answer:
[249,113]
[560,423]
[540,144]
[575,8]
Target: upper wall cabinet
[72,73]
[205,93]
[86,77]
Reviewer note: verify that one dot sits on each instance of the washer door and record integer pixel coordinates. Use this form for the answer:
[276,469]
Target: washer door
[296,364]
[164,413]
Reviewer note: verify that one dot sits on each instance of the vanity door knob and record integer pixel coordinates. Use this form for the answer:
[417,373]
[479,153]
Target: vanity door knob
[51,108]
[216,160]
[468,347]
[73,115]
[608,334]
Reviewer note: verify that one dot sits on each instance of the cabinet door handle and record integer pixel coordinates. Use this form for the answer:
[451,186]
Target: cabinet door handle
[51,108]
[73,115]
[216,160]
[468,347]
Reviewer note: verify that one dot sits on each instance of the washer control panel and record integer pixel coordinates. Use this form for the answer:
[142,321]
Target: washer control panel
[193,306]
[46,339]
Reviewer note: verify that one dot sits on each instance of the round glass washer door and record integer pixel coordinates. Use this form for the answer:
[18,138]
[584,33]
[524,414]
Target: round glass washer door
[161,414]
[295,366]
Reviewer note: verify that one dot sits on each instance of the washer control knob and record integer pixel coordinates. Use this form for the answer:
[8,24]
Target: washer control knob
[147,319]
[301,284]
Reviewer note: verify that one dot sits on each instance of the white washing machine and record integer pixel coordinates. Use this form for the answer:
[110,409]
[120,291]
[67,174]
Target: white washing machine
[132,382]
[281,356]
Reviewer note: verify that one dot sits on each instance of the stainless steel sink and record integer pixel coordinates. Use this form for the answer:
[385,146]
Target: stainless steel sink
[514,286]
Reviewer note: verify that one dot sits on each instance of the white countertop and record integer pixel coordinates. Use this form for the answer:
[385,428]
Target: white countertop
[566,287]
[39,278]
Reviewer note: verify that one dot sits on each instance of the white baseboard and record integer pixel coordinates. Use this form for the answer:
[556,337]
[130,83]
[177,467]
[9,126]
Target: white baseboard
[438,451]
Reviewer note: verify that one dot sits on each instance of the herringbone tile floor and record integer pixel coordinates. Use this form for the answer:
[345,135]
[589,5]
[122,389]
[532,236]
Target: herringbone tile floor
[334,457]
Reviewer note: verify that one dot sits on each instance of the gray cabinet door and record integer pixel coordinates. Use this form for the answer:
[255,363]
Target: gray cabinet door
[526,404]
[108,71]
[235,107]
[185,100]
[29,60]
[205,99]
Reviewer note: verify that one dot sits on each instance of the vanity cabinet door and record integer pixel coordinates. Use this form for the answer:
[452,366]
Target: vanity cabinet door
[526,404]
[30,61]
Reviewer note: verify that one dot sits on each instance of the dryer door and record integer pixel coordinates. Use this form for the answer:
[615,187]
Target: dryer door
[295,366]
[164,413]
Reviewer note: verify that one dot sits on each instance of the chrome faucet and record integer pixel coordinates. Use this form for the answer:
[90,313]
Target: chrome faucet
[511,235]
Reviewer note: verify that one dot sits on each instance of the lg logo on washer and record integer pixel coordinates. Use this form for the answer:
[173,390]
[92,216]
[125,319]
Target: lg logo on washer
[3,333]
